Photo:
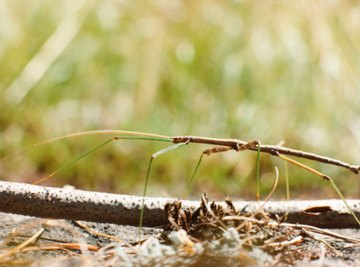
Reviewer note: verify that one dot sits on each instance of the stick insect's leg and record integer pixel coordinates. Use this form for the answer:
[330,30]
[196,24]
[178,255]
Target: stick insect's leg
[250,145]
[287,184]
[324,177]
[153,156]
[214,150]
[206,152]
[257,145]
[301,165]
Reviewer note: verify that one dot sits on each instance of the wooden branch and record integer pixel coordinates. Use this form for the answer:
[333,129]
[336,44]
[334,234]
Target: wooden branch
[71,204]
[273,150]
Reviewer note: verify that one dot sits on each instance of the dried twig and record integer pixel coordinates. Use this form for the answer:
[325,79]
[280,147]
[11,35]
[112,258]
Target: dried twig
[4,257]
[62,203]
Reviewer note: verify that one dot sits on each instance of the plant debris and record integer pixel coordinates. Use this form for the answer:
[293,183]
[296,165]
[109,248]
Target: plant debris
[227,233]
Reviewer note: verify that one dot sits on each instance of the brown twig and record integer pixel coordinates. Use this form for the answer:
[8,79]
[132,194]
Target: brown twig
[74,204]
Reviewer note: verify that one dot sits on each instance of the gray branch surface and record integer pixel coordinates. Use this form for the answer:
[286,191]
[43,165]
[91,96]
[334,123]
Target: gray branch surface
[72,204]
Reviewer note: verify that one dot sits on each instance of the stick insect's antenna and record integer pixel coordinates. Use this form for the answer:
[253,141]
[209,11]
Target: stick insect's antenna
[126,135]
[68,164]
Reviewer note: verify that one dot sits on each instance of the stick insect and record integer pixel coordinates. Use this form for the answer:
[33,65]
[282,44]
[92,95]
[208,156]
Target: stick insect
[220,145]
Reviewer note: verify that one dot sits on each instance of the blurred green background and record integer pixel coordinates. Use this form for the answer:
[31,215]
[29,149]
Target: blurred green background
[267,70]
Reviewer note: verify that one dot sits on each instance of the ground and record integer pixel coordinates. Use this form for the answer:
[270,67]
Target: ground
[208,236]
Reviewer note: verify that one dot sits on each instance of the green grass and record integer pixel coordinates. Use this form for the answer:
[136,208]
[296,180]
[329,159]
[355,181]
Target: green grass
[270,71]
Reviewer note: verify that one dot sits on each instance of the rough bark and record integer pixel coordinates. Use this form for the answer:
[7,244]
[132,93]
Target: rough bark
[62,203]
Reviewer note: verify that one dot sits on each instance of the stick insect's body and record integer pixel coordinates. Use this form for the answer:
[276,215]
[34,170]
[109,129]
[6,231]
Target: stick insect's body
[236,144]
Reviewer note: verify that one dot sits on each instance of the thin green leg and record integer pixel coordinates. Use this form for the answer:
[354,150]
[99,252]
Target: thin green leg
[155,155]
[343,199]
[193,176]
[287,181]
[325,178]
[258,173]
